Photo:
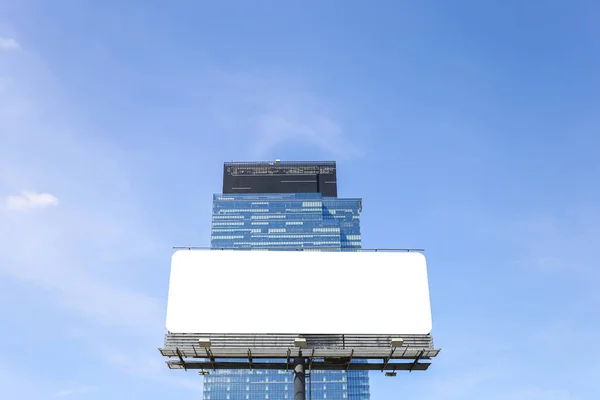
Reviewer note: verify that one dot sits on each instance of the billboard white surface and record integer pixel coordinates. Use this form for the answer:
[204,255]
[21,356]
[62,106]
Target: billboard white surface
[236,291]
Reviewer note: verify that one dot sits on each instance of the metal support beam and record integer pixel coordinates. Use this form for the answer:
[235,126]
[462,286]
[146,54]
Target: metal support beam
[416,361]
[387,360]
[320,366]
[211,358]
[181,359]
[349,360]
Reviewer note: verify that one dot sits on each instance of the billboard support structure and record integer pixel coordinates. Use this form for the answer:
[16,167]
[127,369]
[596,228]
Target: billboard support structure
[401,343]
[299,379]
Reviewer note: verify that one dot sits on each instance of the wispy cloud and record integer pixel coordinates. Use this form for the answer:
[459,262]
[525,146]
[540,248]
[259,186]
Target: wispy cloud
[80,243]
[27,201]
[474,382]
[303,126]
[85,258]
[554,245]
[78,249]
[534,393]
[149,368]
[8,43]
[17,383]
[272,114]
[75,390]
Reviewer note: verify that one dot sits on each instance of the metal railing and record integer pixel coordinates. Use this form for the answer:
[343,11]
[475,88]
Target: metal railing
[291,248]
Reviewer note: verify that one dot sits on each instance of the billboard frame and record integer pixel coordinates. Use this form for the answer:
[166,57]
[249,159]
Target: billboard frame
[197,352]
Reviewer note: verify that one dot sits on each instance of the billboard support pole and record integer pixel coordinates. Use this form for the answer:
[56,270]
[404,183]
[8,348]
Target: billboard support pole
[299,379]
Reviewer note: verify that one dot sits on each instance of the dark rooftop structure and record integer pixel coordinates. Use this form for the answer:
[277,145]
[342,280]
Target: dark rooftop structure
[280,177]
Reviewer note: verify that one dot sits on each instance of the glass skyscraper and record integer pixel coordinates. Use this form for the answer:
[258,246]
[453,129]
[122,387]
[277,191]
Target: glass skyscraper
[285,221]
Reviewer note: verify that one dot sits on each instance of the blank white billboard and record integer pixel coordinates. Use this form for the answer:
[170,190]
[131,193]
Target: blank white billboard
[213,291]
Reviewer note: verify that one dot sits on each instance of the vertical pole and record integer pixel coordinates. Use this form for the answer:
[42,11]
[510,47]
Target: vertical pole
[299,379]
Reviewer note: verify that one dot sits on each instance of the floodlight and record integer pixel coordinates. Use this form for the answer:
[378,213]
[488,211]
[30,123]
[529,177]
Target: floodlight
[397,342]
[204,342]
[300,342]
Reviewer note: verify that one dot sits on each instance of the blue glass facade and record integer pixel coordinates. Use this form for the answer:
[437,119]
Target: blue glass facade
[285,221]
[279,385]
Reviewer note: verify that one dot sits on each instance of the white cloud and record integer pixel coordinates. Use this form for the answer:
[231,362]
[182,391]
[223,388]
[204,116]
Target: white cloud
[8,44]
[77,248]
[30,200]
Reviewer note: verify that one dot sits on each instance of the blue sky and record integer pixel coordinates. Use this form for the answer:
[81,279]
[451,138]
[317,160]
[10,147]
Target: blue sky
[469,128]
